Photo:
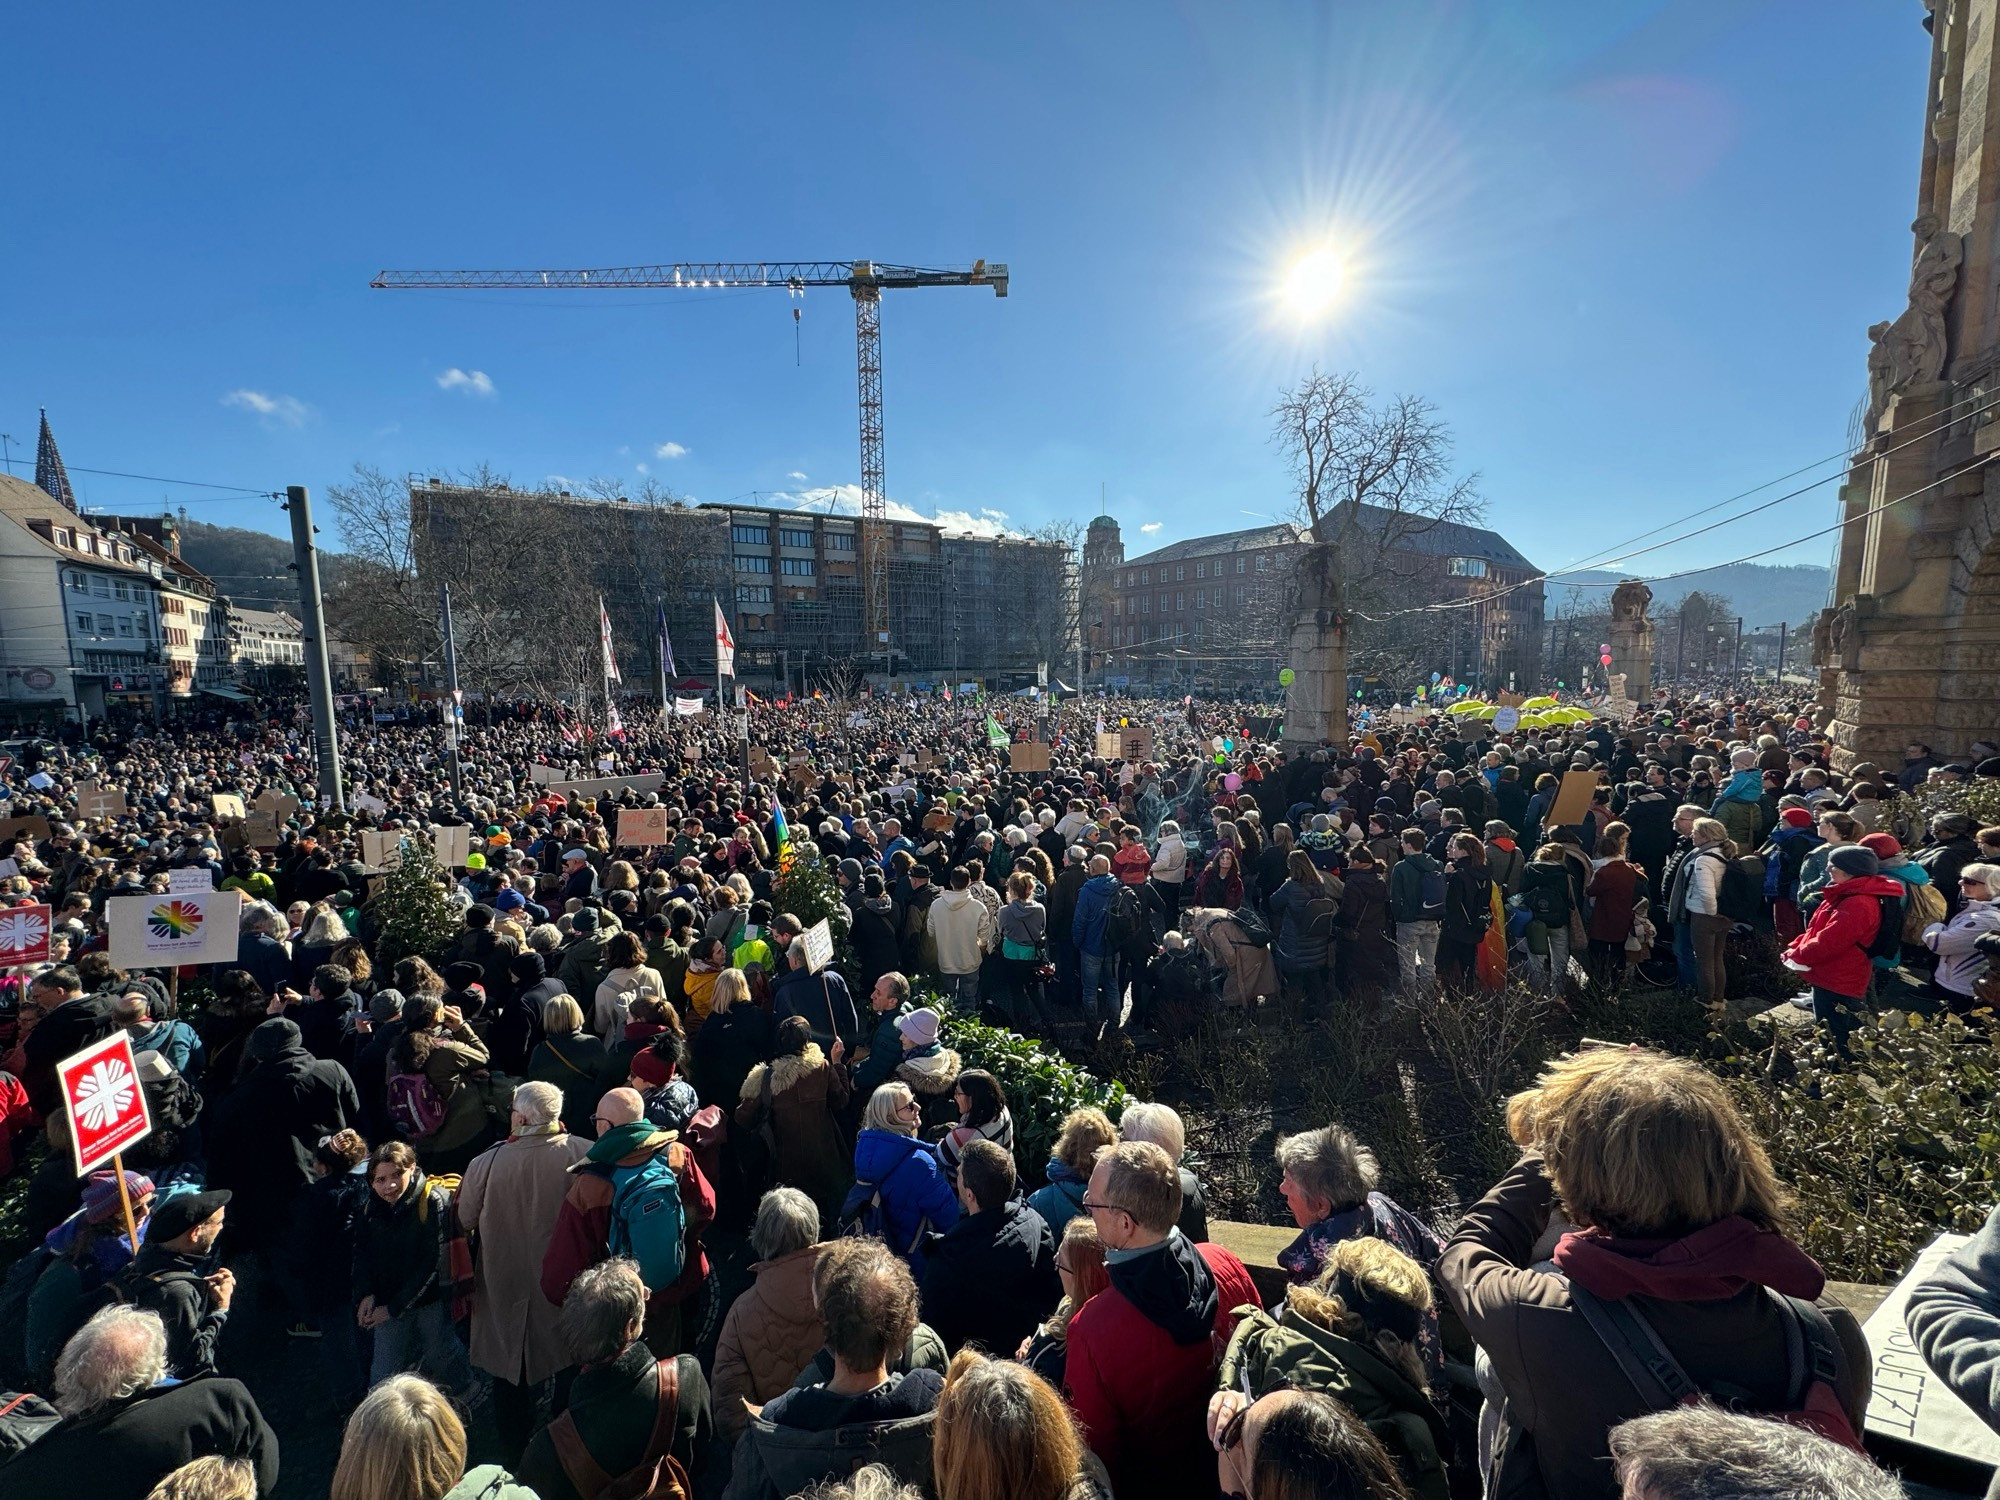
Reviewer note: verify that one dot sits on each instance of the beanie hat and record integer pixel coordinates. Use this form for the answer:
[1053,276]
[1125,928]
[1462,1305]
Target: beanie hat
[585,919]
[100,1195]
[386,1005]
[651,1069]
[1743,760]
[271,1037]
[1885,846]
[1855,859]
[920,1027]
[1797,817]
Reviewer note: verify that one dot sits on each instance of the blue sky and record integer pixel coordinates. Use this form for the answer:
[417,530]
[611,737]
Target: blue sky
[1629,250]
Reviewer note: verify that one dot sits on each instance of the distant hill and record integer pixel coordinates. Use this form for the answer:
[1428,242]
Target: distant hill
[1762,594]
[248,566]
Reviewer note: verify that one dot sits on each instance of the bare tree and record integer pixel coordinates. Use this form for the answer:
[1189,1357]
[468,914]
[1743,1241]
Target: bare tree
[1371,481]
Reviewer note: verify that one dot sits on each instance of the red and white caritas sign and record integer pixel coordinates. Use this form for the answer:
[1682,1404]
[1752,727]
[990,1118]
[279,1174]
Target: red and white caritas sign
[24,936]
[105,1100]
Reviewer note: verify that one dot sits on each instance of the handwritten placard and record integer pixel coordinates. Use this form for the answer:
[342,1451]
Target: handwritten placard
[819,945]
[1908,1401]
[643,825]
[227,806]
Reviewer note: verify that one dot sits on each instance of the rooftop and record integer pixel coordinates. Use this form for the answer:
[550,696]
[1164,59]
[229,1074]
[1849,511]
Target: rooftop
[43,518]
[1284,534]
[1451,539]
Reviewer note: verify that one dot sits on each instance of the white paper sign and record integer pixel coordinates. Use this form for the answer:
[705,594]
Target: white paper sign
[186,927]
[819,945]
[41,781]
[1908,1401]
[192,878]
[365,803]
[8,868]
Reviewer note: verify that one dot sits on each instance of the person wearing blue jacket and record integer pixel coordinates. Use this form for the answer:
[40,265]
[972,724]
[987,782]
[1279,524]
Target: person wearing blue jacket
[891,1162]
[1100,960]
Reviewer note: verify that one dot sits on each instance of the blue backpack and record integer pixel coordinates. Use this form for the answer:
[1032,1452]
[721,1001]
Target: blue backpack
[647,1221]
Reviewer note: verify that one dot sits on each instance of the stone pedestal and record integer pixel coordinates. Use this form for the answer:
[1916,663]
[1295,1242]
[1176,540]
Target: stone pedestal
[1316,651]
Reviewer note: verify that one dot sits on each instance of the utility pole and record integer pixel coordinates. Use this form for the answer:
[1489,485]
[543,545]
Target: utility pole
[1783,626]
[451,708]
[1736,658]
[312,622]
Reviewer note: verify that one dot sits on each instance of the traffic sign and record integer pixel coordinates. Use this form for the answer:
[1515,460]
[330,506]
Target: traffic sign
[105,1100]
[24,936]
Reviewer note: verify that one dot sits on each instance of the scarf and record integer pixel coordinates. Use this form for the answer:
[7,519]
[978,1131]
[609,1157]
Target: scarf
[1706,1266]
[621,1141]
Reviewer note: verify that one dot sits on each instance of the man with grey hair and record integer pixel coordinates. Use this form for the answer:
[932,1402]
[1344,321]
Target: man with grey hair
[619,1390]
[822,998]
[1159,1124]
[1705,1453]
[773,1330]
[123,1429]
[510,1197]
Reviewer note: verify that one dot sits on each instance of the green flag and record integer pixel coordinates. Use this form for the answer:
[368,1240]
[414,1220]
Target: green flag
[995,735]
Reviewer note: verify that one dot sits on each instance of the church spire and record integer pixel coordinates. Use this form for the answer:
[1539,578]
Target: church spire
[50,476]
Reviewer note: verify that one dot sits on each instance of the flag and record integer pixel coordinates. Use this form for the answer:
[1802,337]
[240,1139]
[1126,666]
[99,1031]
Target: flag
[947,695]
[666,647]
[1100,721]
[613,725]
[687,708]
[995,735]
[725,646]
[781,831]
[604,632]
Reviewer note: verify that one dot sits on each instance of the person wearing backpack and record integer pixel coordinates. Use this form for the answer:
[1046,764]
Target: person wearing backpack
[1696,901]
[399,1281]
[637,1194]
[432,1102]
[1858,918]
[900,1190]
[176,1275]
[1303,911]
[1416,902]
[634,1425]
[1679,1222]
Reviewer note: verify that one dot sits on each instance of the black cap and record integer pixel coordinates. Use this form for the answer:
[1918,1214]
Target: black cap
[175,1216]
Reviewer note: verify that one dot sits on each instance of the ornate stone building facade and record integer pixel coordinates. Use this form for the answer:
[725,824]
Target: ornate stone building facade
[1910,649]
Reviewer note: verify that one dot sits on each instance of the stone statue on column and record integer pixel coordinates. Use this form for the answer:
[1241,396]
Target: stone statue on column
[1911,351]
[1632,639]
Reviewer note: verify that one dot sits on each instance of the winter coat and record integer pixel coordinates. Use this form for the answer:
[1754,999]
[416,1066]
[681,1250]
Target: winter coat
[951,1148]
[1545,891]
[169,1282]
[1379,1217]
[806,1097]
[1062,1199]
[585,962]
[1614,890]
[582,1236]
[822,998]
[809,1434]
[1468,904]
[1834,947]
[729,1044]
[874,938]
[125,1448]
[1142,1360]
[1288,1352]
[769,1336]
[1212,889]
[932,1074]
[262,1135]
[1406,887]
[1302,917]
[452,1056]
[264,959]
[1370,953]
[990,1279]
[1959,963]
[1170,864]
[1505,863]
[614,1407]
[1565,1389]
[1954,1316]
[963,930]
[915,1194]
[607,1015]
[1248,968]
[885,1052]
[399,1247]
[572,1064]
[176,1041]
[510,1198]
[1093,907]
[1944,862]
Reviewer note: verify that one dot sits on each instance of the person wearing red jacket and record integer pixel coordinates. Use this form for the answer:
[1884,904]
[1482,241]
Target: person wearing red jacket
[582,1236]
[1832,953]
[1142,1354]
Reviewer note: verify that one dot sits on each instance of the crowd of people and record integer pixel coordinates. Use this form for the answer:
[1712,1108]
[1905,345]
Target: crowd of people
[491,1175]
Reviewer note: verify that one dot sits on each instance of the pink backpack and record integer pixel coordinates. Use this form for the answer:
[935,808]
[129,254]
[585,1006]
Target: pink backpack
[416,1108]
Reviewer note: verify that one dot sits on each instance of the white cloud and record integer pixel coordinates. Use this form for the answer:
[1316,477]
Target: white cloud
[795,474]
[1152,526]
[563,482]
[670,450]
[845,499]
[279,411]
[473,382]
[625,450]
[642,468]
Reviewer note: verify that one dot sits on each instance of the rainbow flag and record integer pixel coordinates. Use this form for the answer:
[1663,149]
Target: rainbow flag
[783,832]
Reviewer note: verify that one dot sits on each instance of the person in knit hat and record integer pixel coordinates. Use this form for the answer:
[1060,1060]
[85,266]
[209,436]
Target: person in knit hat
[1740,806]
[1834,953]
[1784,855]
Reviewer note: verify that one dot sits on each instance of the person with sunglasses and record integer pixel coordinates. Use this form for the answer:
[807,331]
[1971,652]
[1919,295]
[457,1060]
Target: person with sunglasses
[1142,1353]
[1960,963]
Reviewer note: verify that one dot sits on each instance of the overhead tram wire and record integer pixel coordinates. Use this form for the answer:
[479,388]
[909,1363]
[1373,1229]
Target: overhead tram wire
[1543,577]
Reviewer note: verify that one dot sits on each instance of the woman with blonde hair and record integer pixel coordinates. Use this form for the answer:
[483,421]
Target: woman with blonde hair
[1004,1434]
[210,1478]
[1695,899]
[1080,1265]
[1084,1133]
[1680,1237]
[570,1058]
[405,1442]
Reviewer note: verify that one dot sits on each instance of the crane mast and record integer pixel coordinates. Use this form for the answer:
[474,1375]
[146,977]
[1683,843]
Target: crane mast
[866,280]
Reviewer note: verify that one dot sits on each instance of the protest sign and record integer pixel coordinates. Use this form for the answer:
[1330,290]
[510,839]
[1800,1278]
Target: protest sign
[28,827]
[1573,800]
[227,806]
[191,878]
[609,786]
[1029,755]
[382,850]
[94,801]
[24,935]
[643,825]
[1907,1401]
[185,927]
[819,945]
[453,845]
[105,1100]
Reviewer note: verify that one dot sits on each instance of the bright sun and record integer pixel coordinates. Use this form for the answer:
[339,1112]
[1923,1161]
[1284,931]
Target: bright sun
[1314,282]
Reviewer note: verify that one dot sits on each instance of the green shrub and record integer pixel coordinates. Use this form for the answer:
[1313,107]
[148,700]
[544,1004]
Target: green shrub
[415,913]
[1041,1088]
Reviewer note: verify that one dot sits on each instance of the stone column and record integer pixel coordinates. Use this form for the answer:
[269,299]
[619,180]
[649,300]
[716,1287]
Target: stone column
[1632,640]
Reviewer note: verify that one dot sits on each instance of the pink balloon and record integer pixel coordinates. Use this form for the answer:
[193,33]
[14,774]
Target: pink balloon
[1233,782]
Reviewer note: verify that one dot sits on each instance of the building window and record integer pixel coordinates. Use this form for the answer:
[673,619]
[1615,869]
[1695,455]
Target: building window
[100,587]
[1240,599]
[76,582]
[1200,599]
[124,627]
[1180,601]
[746,563]
[1117,608]
[1468,567]
[86,624]
[1201,570]
[1239,568]
[840,541]
[797,567]
[1263,562]
[1163,604]
[789,538]
[145,627]
[753,593]
[1180,572]
[1145,604]
[118,587]
[754,536]
[62,537]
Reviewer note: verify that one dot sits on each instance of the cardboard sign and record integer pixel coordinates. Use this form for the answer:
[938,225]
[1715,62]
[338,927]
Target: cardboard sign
[1573,801]
[260,829]
[542,775]
[819,946]
[365,803]
[610,786]
[1029,755]
[105,1100]
[188,927]
[30,827]
[924,758]
[278,804]
[1137,742]
[191,878]
[24,935]
[643,825]
[1109,746]
[453,846]
[1908,1401]
[382,850]
[228,807]
[94,801]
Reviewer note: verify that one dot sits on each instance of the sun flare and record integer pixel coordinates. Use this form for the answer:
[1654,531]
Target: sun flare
[1314,283]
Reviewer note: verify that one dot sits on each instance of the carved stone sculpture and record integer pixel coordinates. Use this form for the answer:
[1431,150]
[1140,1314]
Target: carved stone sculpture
[1912,350]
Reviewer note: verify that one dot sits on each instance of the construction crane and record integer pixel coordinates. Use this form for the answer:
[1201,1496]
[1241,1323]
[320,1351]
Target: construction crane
[865,279]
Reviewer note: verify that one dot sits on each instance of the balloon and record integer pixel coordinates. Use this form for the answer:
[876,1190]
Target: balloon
[1232,782]
[1229,744]
[1286,677]
[1221,759]
[1437,677]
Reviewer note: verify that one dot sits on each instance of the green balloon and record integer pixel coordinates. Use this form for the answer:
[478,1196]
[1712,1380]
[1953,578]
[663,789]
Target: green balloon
[1221,759]
[1286,677]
